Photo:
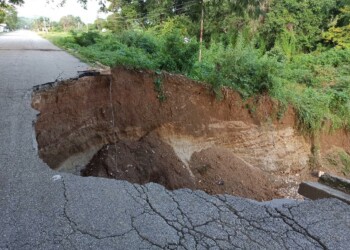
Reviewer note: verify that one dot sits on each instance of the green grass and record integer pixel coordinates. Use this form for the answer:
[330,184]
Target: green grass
[64,40]
[158,86]
[317,85]
[141,50]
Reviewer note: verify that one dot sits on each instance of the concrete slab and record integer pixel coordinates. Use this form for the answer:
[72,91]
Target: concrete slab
[315,190]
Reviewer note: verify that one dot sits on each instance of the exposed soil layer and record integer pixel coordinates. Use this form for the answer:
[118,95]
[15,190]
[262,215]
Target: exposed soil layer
[229,146]
[147,160]
[214,170]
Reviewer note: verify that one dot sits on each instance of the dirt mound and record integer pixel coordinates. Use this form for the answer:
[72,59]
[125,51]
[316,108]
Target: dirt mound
[214,170]
[218,171]
[147,160]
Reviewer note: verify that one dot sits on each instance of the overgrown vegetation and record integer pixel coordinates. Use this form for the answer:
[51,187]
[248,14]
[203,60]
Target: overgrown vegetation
[345,159]
[158,86]
[296,51]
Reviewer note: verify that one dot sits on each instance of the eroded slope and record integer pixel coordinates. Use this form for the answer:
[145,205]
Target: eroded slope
[204,142]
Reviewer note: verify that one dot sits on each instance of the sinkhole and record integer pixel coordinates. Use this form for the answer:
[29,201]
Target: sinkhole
[175,133]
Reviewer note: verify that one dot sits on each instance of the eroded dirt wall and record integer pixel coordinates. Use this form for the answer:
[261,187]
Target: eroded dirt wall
[144,127]
[77,117]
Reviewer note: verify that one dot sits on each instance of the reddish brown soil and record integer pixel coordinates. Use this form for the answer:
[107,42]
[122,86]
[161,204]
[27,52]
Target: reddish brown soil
[76,114]
[339,139]
[336,161]
[232,146]
[216,171]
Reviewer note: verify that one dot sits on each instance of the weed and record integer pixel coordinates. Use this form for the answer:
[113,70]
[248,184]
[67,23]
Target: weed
[315,159]
[158,86]
[85,39]
[331,160]
[345,159]
[251,108]
[282,109]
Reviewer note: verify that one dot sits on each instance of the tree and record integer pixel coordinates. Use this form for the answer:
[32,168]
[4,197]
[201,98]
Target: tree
[71,22]
[339,32]
[8,15]
[154,12]
[11,18]
[24,23]
[303,20]
[100,24]
[41,23]
[2,15]
[5,7]
[9,2]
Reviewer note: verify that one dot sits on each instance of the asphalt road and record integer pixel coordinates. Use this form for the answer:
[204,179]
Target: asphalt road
[43,209]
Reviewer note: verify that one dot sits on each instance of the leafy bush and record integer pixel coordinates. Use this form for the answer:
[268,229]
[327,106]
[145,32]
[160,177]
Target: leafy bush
[130,57]
[86,38]
[62,39]
[250,72]
[313,109]
[177,54]
[340,104]
[140,40]
[241,67]
[338,33]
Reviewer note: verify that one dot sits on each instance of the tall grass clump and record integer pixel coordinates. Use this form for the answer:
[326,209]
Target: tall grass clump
[317,85]
[241,67]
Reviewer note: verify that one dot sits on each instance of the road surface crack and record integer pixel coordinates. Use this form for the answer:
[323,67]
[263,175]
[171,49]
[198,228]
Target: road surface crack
[304,230]
[75,226]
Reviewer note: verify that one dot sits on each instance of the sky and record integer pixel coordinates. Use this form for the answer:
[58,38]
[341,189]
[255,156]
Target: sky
[37,8]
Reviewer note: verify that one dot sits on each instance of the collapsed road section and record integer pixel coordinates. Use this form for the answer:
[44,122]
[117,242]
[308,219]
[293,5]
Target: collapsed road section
[143,127]
[45,209]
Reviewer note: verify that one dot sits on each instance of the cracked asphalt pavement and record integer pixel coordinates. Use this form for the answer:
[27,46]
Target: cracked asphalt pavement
[44,209]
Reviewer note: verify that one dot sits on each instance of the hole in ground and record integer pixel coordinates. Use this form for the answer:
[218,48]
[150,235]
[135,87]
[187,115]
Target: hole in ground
[143,161]
[115,127]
